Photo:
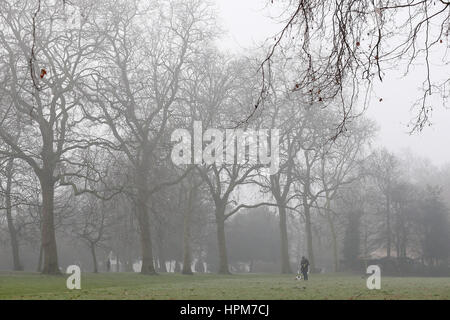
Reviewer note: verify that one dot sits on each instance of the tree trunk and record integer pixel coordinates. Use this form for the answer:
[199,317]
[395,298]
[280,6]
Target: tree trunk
[308,227]
[12,230]
[41,251]
[199,267]
[333,236]
[335,247]
[161,253]
[50,263]
[39,267]
[162,263]
[221,242]
[366,237]
[117,264]
[94,258]
[397,247]
[146,242]
[388,226]
[404,241]
[187,256]
[13,236]
[144,224]
[285,262]
[128,266]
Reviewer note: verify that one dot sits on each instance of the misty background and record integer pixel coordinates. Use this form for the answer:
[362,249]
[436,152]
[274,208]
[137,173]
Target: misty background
[375,195]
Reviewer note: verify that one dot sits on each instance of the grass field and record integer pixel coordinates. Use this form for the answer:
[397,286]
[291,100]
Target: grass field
[252,287]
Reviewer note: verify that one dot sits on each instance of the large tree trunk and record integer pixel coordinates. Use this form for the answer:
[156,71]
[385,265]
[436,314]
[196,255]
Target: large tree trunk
[144,224]
[221,242]
[280,198]
[12,230]
[308,227]
[50,263]
[94,258]
[187,256]
[285,262]
[146,242]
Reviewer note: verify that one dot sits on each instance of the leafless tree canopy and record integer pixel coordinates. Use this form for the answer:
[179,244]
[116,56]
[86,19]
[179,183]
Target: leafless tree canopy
[342,46]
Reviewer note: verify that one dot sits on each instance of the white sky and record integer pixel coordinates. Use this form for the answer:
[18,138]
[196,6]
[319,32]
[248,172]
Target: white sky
[247,23]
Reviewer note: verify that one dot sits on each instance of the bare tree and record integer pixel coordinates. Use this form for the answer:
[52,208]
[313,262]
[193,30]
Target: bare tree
[91,223]
[7,191]
[345,44]
[144,56]
[46,106]
[385,171]
[314,141]
[341,164]
[284,114]
[191,194]
[220,91]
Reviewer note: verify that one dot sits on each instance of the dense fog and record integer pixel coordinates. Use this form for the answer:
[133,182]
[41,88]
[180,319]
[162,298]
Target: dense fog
[130,142]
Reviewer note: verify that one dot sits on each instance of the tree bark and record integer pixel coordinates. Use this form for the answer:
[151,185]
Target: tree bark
[308,227]
[146,242]
[144,222]
[280,197]
[221,241]
[50,263]
[12,230]
[94,258]
[187,256]
[285,263]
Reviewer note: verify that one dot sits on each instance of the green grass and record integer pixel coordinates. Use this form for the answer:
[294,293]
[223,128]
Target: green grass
[18,285]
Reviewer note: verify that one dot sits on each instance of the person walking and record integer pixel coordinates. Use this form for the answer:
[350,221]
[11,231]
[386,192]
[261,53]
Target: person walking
[304,266]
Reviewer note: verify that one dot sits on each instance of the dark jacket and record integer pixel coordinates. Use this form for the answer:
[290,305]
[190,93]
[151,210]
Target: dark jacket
[304,264]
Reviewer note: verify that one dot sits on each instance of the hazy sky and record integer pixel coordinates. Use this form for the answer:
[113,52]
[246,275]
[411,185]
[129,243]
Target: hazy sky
[247,23]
